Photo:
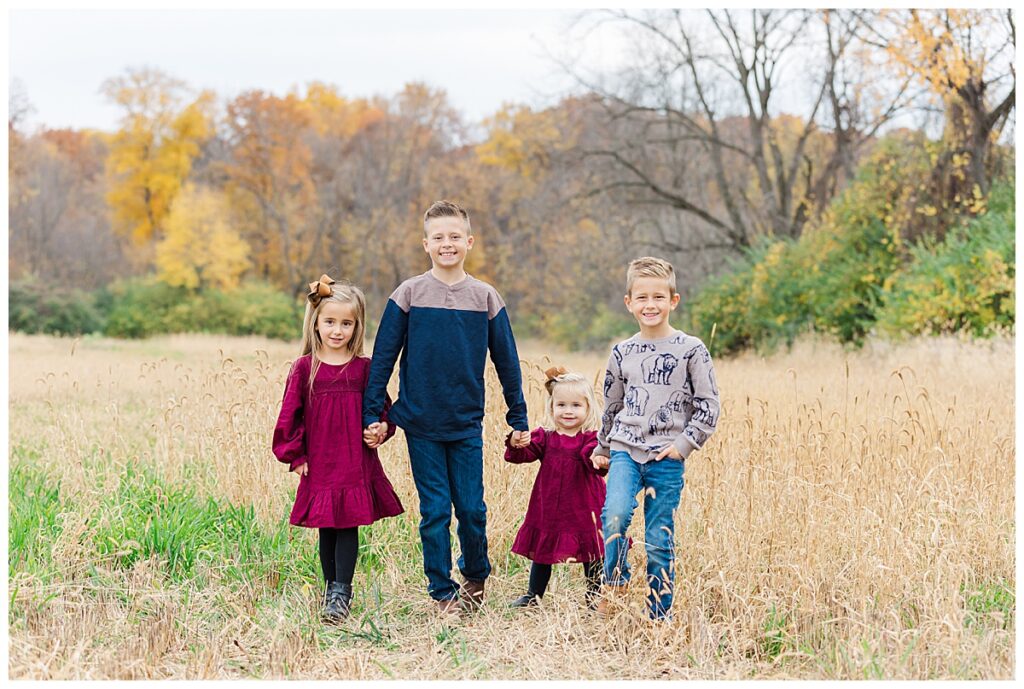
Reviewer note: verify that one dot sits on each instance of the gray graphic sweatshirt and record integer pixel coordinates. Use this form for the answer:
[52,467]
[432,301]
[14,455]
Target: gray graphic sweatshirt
[658,392]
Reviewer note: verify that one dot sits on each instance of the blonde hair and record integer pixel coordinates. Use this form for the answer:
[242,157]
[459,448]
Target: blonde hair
[341,293]
[578,383]
[650,267]
[446,209]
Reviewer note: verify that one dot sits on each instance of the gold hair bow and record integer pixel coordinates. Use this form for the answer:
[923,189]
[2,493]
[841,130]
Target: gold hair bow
[555,371]
[320,289]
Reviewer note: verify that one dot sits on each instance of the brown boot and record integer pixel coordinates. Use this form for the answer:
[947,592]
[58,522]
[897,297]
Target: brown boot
[612,598]
[472,595]
[448,606]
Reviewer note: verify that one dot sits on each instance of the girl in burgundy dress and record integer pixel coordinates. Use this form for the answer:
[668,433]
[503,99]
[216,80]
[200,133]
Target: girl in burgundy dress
[563,520]
[319,434]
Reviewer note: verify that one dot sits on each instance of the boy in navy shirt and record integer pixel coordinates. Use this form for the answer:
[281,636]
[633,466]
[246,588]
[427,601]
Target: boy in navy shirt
[443,323]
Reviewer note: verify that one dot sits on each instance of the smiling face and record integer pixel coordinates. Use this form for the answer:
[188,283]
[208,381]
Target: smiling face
[569,409]
[447,242]
[335,325]
[651,301]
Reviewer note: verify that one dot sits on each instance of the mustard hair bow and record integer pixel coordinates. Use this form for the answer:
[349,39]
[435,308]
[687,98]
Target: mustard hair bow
[320,289]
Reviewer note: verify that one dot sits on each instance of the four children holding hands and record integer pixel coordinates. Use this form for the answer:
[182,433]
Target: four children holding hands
[661,404]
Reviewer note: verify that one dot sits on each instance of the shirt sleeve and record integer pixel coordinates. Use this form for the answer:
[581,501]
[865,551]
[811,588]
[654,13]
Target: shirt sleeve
[387,406]
[506,361]
[387,345]
[613,396]
[289,442]
[530,453]
[705,405]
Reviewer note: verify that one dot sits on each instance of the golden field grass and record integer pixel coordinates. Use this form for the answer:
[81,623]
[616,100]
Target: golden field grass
[853,517]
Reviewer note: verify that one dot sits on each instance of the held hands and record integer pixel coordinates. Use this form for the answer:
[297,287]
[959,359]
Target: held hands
[375,434]
[599,461]
[519,439]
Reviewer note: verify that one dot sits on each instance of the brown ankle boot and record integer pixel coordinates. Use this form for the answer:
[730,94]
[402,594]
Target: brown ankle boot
[612,598]
[448,606]
[472,595]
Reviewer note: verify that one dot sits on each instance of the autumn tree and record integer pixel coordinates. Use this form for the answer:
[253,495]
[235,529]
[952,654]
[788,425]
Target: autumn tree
[268,181]
[965,57]
[151,154]
[57,217]
[200,248]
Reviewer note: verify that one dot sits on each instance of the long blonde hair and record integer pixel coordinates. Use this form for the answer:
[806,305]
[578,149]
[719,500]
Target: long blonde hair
[341,293]
[577,383]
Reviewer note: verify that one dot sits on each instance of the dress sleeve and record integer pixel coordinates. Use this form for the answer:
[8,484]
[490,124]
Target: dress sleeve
[290,431]
[589,445]
[530,453]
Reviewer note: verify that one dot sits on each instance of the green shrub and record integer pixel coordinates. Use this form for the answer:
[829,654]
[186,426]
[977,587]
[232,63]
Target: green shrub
[142,307]
[53,310]
[964,282]
[589,328]
[831,279]
[139,307]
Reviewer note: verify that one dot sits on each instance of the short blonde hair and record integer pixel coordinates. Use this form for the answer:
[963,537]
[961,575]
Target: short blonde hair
[650,267]
[446,209]
[577,383]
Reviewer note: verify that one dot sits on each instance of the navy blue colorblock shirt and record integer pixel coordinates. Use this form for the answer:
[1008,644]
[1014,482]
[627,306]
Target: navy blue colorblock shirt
[443,333]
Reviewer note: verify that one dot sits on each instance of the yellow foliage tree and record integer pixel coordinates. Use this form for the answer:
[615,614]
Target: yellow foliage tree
[199,247]
[151,154]
[965,57]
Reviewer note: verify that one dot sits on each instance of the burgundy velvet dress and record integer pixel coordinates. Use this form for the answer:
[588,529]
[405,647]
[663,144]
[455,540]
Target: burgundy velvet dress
[563,520]
[346,485]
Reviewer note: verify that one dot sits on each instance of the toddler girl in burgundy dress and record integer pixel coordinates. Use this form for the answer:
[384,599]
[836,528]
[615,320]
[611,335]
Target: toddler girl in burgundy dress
[563,520]
[319,434]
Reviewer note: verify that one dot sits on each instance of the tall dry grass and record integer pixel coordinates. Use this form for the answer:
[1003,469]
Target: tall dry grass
[852,517]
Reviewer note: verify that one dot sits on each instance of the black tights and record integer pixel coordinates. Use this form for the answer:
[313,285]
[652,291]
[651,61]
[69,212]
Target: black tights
[540,575]
[338,551]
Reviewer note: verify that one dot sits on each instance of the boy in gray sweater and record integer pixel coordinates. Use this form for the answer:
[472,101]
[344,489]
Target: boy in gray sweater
[661,404]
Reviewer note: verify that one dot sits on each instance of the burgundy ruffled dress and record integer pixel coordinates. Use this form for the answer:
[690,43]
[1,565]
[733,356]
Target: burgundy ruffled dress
[563,520]
[346,485]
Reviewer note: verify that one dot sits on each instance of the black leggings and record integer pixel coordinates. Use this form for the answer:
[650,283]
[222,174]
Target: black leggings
[338,551]
[540,575]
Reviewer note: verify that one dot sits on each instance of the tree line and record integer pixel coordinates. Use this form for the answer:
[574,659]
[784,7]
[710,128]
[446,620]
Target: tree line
[721,129]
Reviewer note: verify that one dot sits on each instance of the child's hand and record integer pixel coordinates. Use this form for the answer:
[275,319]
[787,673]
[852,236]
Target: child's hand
[302,469]
[371,435]
[672,452]
[375,434]
[519,439]
[599,461]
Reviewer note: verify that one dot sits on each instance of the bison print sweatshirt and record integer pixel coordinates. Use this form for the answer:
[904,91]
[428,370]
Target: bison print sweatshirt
[658,392]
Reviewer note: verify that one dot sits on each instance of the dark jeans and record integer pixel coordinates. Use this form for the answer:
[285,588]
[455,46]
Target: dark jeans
[450,474]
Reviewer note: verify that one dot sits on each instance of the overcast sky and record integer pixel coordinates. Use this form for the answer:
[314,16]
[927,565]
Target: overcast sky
[482,58]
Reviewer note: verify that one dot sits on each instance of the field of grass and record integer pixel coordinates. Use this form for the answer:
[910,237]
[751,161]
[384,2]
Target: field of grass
[853,517]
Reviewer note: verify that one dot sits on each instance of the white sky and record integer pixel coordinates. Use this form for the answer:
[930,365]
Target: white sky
[482,58]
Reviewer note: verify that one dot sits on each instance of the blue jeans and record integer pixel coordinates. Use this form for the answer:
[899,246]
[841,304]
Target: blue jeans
[447,474]
[625,479]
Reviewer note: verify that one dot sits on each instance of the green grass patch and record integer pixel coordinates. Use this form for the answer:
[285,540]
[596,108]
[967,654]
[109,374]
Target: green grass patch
[989,605]
[33,515]
[146,517]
